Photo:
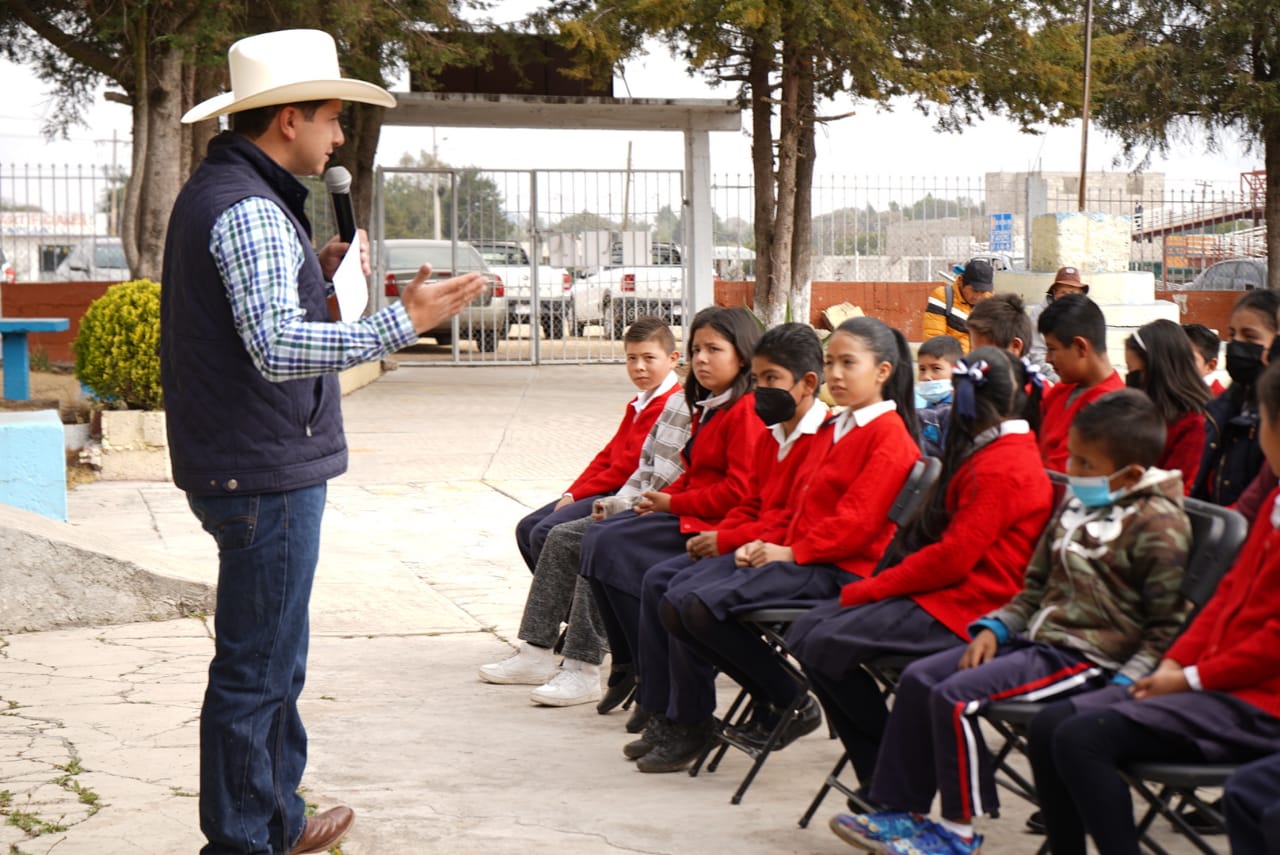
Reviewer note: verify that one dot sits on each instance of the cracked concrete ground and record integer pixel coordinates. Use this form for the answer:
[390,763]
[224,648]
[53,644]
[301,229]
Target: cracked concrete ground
[419,583]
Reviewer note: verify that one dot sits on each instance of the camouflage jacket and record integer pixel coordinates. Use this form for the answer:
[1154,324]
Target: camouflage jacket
[1106,582]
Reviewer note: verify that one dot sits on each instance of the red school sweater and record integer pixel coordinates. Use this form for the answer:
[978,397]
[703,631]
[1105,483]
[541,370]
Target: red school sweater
[998,503]
[718,459]
[1183,448]
[1057,412]
[766,512]
[845,491]
[613,465]
[1235,640]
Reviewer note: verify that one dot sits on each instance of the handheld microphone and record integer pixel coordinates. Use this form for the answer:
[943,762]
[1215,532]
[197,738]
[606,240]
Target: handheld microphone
[338,180]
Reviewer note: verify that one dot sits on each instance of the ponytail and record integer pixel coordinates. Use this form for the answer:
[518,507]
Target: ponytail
[1032,384]
[901,385]
[988,391]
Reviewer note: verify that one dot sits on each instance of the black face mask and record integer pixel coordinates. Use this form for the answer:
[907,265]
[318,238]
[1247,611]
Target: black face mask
[774,406]
[1244,362]
[1134,379]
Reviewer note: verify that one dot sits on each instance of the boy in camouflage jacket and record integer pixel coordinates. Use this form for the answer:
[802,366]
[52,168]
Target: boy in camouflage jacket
[1100,604]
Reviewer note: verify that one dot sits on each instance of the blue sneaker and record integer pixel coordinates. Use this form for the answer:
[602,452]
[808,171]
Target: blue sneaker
[875,831]
[933,839]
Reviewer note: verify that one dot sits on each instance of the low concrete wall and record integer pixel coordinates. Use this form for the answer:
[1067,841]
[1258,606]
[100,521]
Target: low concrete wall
[33,463]
[54,575]
[1211,308]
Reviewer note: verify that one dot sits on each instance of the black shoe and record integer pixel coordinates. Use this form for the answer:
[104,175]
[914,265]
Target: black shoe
[756,733]
[639,718]
[1203,823]
[622,681]
[1035,823]
[656,732]
[682,746]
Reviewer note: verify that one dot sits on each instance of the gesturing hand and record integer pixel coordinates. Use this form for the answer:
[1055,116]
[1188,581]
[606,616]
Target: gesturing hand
[431,303]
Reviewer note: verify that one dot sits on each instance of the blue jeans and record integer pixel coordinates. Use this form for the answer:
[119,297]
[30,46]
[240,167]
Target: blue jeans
[253,747]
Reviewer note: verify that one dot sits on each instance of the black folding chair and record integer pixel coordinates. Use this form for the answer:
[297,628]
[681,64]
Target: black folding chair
[772,624]
[1217,533]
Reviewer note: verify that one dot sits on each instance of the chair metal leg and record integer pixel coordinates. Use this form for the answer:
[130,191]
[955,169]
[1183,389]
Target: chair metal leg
[736,714]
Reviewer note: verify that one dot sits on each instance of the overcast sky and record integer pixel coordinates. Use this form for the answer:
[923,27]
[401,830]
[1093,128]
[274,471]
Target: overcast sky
[898,143]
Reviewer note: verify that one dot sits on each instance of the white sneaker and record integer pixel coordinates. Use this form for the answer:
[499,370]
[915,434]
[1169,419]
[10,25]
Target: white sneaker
[576,683]
[530,666]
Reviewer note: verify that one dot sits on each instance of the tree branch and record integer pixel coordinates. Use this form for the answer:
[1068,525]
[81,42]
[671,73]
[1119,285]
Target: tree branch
[86,55]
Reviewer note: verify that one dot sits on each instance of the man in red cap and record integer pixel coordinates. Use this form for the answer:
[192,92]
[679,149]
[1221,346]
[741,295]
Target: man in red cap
[1066,281]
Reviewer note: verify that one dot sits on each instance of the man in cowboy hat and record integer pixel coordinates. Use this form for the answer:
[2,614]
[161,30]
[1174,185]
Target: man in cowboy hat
[248,364]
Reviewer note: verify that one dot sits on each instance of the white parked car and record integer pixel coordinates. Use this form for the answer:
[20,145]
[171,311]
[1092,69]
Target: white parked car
[98,259]
[508,260]
[616,295]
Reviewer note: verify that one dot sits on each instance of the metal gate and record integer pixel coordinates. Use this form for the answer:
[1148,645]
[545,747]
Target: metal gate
[573,256]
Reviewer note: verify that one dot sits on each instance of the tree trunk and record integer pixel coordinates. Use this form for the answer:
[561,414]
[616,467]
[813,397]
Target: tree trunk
[1271,147]
[761,66]
[784,223]
[362,126]
[166,152]
[802,247]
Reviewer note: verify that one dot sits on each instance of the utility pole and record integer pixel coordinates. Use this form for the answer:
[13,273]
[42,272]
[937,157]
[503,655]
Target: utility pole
[435,184]
[1084,112]
[113,225]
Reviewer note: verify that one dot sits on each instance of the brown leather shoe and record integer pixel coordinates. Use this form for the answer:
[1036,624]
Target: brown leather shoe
[324,830]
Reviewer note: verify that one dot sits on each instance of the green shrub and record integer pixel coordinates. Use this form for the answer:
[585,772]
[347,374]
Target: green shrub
[118,347]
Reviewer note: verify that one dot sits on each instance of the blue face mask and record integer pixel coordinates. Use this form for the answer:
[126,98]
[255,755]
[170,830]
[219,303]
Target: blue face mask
[933,391]
[1093,491]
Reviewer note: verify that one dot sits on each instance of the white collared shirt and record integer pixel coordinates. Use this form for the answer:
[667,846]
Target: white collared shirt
[642,400]
[861,417]
[808,425]
[708,404]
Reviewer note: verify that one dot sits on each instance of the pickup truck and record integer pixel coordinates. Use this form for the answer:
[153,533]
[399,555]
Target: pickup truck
[509,261]
[618,294]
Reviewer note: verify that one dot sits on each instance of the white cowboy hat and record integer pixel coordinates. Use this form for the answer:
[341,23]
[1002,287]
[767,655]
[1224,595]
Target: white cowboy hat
[285,67]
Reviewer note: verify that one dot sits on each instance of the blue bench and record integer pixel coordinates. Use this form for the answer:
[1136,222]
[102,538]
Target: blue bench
[13,350]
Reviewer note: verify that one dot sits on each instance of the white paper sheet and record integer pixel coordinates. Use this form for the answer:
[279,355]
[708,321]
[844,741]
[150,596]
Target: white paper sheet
[350,286]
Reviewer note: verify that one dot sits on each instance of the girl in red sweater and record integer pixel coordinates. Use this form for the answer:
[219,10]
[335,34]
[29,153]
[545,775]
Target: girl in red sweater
[1161,363]
[1214,698]
[618,550]
[855,467]
[963,556]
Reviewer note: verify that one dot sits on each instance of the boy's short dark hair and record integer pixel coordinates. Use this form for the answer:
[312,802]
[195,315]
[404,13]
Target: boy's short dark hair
[1126,424]
[1001,318]
[942,347]
[793,346]
[254,123]
[1204,340]
[648,328]
[1075,316]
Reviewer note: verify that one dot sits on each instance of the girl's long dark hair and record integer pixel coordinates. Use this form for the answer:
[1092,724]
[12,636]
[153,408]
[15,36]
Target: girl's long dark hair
[742,330]
[1169,375]
[890,345]
[995,398]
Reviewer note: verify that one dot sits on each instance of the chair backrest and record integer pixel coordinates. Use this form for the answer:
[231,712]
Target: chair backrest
[923,474]
[1217,533]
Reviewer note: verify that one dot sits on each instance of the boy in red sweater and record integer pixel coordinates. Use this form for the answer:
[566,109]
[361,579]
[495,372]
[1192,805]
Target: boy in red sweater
[1214,698]
[1075,337]
[675,684]
[651,359]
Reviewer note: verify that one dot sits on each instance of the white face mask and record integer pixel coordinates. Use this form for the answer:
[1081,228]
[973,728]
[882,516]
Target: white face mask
[933,391]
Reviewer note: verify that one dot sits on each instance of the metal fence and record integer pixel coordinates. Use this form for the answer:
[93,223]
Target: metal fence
[573,256]
[579,253]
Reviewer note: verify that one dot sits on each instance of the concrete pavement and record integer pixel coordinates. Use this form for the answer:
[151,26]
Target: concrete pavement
[419,583]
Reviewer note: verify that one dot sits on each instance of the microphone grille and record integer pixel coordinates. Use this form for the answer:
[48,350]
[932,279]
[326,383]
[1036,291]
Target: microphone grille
[337,179]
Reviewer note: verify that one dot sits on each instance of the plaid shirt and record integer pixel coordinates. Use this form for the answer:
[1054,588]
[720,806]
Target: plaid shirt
[258,255]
